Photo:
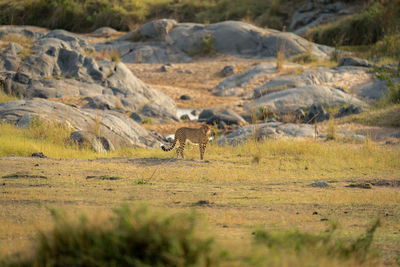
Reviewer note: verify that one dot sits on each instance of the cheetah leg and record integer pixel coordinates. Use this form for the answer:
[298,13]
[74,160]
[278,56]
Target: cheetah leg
[202,150]
[181,148]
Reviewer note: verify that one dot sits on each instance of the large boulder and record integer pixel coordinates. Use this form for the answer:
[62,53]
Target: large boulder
[287,101]
[245,81]
[112,127]
[59,67]
[243,39]
[266,131]
[350,78]
[144,52]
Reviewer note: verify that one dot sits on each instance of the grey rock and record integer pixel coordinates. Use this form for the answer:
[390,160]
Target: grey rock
[316,114]
[205,114]
[348,110]
[395,135]
[105,31]
[228,70]
[304,97]
[83,138]
[157,111]
[320,184]
[353,61]
[157,29]
[13,49]
[239,38]
[229,117]
[185,117]
[185,97]
[266,131]
[236,84]
[136,117]
[374,90]
[29,31]
[119,129]
[351,77]
[25,121]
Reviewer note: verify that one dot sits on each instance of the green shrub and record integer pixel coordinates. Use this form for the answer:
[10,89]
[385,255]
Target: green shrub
[371,25]
[319,245]
[132,237]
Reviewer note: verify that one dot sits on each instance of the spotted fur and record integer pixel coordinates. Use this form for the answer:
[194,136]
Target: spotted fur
[195,135]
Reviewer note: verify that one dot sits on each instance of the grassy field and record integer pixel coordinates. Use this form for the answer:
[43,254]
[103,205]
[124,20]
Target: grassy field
[235,191]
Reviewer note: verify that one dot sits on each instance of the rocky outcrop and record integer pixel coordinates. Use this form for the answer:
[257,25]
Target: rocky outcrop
[314,13]
[112,128]
[289,100]
[267,131]
[59,66]
[242,39]
[344,77]
[163,41]
[245,81]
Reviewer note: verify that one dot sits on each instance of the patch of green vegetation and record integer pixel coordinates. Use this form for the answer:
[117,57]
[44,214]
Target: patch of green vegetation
[147,121]
[325,244]
[132,237]
[85,16]
[207,47]
[379,19]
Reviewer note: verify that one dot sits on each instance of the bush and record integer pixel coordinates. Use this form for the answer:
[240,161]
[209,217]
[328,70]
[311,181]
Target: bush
[132,237]
[378,20]
[320,245]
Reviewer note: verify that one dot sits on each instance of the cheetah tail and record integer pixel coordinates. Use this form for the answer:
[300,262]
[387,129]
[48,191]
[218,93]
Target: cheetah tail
[169,148]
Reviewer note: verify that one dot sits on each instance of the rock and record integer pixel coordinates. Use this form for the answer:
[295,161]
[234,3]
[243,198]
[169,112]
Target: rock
[315,13]
[205,114]
[29,31]
[222,125]
[287,101]
[349,110]
[350,77]
[374,90]
[13,49]
[164,68]
[157,29]
[229,117]
[136,117]
[316,114]
[228,70]
[39,155]
[395,135]
[194,112]
[320,184]
[59,67]
[105,32]
[353,61]
[237,84]
[185,97]
[266,131]
[25,121]
[185,117]
[120,130]
[239,38]
[85,138]
[156,111]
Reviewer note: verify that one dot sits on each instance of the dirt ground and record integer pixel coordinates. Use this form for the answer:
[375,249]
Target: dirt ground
[234,198]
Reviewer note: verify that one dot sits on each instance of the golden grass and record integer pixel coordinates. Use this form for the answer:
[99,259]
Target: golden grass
[5,97]
[255,184]
[388,116]
[24,41]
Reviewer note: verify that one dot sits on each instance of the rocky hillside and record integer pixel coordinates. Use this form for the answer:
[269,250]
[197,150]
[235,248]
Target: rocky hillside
[86,81]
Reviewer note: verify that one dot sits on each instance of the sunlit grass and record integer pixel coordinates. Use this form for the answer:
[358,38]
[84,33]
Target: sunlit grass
[5,97]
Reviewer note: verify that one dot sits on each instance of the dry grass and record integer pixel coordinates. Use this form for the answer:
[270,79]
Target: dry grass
[244,187]
[22,40]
